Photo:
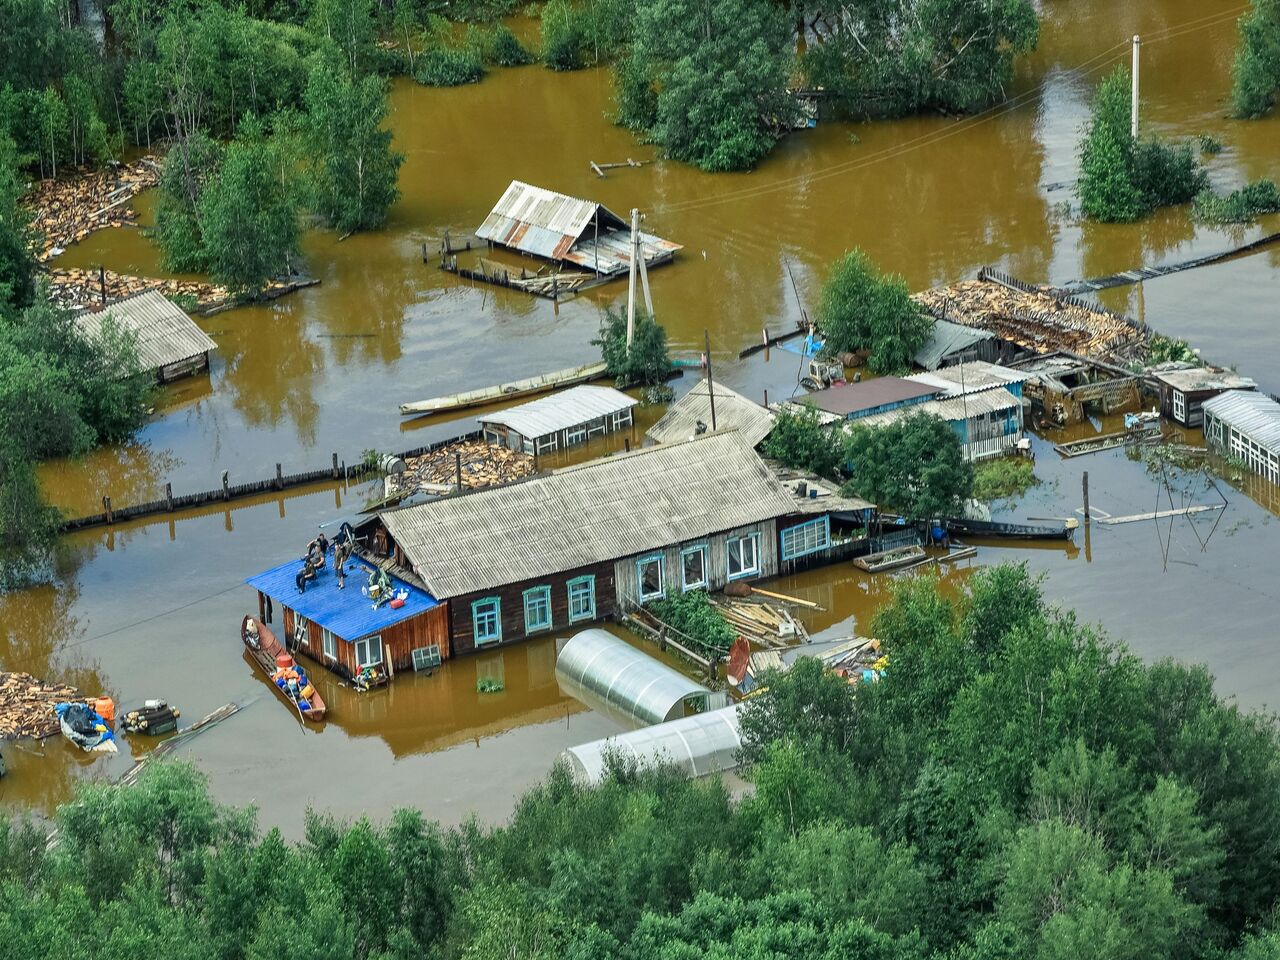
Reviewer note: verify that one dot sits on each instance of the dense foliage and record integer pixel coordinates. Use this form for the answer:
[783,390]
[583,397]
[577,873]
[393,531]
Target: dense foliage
[890,58]
[690,612]
[863,310]
[1122,178]
[1239,206]
[914,467]
[1162,349]
[577,35]
[647,362]
[1256,71]
[1003,477]
[1015,786]
[799,440]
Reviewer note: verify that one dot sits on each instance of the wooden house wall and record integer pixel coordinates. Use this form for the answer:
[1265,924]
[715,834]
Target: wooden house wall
[514,440]
[183,368]
[625,574]
[398,641]
[461,629]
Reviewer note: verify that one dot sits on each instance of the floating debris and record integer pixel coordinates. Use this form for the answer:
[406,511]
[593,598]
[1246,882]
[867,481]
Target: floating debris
[27,705]
[68,209]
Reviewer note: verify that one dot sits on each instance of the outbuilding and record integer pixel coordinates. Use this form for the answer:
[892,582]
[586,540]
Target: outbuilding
[1245,426]
[169,343]
[560,420]
[1184,388]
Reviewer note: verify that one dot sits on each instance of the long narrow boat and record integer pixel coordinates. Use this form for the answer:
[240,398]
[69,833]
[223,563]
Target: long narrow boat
[507,391]
[890,559]
[263,649]
[958,526]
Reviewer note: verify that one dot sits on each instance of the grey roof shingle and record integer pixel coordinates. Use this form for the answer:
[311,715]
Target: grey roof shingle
[560,411]
[165,334]
[733,411]
[1255,415]
[591,513]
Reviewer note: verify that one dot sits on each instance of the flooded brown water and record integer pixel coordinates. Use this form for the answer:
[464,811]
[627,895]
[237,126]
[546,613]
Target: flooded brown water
[150,609]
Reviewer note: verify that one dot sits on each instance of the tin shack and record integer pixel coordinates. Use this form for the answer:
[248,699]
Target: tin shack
[559,420]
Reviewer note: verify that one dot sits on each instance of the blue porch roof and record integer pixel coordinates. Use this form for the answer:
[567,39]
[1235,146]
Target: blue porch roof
[346,613]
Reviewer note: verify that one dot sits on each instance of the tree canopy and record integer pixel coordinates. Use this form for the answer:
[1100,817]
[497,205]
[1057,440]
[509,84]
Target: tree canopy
[863,310]
[914,466]
[1255,73]
[646,362]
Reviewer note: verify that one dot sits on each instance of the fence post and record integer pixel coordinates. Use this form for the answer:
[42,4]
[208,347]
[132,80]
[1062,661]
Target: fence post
[457,465]
[168,497]
[106,508]
[279,478]
[335,466]
[226,486]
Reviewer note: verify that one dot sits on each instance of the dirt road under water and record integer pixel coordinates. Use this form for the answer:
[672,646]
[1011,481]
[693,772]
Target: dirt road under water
[150,610]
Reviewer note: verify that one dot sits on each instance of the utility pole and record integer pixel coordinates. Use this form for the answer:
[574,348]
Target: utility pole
[1133,105]
[631,281]
[711,391]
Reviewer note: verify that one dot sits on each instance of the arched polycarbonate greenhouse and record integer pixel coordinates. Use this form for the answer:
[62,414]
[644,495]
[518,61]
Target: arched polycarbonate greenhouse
[700,744]
[597,666]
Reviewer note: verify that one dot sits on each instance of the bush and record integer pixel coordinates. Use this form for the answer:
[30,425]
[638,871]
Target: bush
[647,363]
[448,67]
[1255,73]
[692,614]
[998,479]
[1240,206]
[563,36]
[862,309]
[799,440]
[1167,174]
[500,46]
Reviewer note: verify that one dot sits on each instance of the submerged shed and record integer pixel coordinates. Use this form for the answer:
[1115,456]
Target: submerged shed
[1246,426]
[953,342]
[1184,388]
[569,230]
[691,415]
[560,419]
[701,744]
[169,343]
[627,681]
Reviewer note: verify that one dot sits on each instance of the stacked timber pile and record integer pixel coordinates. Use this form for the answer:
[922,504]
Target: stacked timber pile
[761,623]
[75,287]
[67,210]
[483,465]
[26,705]
[1035,320]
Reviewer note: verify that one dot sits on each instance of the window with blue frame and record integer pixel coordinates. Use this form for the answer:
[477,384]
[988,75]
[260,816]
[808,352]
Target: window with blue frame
[537,609]
[693,567]
[649,578]
[806,538]
[486,620]
[582,599]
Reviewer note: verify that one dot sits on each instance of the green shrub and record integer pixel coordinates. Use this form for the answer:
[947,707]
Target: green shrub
[490,685]
[564,36]
[448,67]
[692,614]
[863,309]
[1167,174]
[647,363]
[500,46]
[999,479]
[1240,206]
[1255,73]
[1162,349]
[1209,144]
[799,440]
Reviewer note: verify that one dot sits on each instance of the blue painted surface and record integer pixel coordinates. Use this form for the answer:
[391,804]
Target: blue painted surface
[808,347]
[886,407]
[346,613]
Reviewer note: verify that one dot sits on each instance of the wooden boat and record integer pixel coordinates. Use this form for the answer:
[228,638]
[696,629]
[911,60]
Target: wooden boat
[508,391]
[263,649]
[890,559]
[1018,531]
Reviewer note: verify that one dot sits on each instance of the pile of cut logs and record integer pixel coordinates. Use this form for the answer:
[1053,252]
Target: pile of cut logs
[77,287]
[761,623]
[26,705]
[67,210]
[483,465]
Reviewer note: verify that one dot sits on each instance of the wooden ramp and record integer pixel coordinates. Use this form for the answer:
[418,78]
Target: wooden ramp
[1149,273]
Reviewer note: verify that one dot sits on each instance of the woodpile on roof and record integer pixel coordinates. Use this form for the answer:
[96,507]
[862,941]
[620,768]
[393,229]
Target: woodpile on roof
[1034,319]
[65,211]
[26,705]
[483,465]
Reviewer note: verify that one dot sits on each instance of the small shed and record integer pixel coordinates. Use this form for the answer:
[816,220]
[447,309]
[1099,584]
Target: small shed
[970,377]
[568,230]
[852,401]
[169,343]
[953,342]
[626,681]
[560,420]
[1184,388]
[1245,426]
[690,416]
[698,745]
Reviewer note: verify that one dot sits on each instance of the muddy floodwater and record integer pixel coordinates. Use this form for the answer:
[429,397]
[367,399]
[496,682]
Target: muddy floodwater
[151,609]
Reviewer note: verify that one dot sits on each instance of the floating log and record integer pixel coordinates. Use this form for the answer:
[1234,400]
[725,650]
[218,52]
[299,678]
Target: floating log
[786,599]
[26,705]
[68,209]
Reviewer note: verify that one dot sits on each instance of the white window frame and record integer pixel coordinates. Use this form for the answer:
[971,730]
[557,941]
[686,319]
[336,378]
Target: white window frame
[576,434]
[622,419]
[363,649]
[1179,406]
[548,444]
[596,427]
[493,438]
[747,571]
[685,585]
[329,644]
[643,562]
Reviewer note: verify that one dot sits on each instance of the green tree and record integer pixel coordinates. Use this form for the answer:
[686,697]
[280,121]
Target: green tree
[248,216]
[801,440]
[187,170]
[914,467]
[17,266]
[354,168]
[864,310]
[1255,73]
[349,24]
[646,362]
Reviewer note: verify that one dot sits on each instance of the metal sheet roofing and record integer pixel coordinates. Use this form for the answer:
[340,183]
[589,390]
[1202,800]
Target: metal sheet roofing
[560,411]
[611,251]
[948,338]
[699,745]
[948,408]
[541,221]
[165,334]
[590,513]
[971,377]
[632,684]
[847,399]
[1192,379]
[1253,414]
[733,411]
[346,613]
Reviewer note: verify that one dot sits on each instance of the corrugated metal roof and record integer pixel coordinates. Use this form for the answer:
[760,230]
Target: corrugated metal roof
[560,411]
[949,408]
[733,411]
[1192,379]
[594,512]
[1255,415]
[165,334]
[948,338]
[972,377]
[847,399]
[611,253]
[541,221]
[346,613]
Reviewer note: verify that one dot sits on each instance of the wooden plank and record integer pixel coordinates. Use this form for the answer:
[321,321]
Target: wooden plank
[786,599]
[1161,514]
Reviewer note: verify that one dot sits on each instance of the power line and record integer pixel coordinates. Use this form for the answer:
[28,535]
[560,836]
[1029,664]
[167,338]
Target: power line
[156,616]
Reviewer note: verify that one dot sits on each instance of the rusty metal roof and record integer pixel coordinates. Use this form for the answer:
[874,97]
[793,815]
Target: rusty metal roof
[543,222]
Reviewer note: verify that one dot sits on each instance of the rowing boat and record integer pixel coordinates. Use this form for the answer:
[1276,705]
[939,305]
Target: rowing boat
[264,650]
[508,391]
[890,559]
[958,526]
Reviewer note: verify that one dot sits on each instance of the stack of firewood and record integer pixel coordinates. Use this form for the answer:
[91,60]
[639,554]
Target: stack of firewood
[762,623]
[76,287]
[26,705]
[483,465]
[66,210]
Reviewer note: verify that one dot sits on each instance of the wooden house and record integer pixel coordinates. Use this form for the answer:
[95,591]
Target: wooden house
[560,420]
[1183,389]
[169,343]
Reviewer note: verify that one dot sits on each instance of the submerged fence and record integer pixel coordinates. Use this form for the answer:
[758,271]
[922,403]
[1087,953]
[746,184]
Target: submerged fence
[336,471]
